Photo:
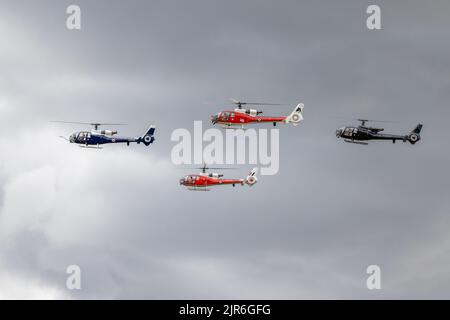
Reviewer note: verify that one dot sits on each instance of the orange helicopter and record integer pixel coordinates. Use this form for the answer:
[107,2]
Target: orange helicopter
[240,117]
[204,180]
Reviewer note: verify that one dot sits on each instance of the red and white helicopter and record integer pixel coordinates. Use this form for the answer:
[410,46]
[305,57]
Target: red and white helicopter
[241,117]
[203,180]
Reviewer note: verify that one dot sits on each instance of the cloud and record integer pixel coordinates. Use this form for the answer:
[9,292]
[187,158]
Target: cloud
[16,287]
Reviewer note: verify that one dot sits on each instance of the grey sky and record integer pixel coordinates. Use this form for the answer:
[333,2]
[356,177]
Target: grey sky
[308,232]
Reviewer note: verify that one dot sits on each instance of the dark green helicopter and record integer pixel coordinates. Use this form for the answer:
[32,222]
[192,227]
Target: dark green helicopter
[361,134]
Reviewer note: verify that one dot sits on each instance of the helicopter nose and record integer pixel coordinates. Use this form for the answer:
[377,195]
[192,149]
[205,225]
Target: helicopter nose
[214,119]
[182,181]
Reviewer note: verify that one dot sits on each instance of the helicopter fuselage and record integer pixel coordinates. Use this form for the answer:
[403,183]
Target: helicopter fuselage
[88,138]
[243,117]
[205,181]
[97,138]
[361,133]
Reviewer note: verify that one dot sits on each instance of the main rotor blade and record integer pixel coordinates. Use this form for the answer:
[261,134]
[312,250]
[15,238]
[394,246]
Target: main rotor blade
[359,119]
[201,168]
[370,120]
[109,124]
[264,104]
[254,103]
[91,123]
[214,168]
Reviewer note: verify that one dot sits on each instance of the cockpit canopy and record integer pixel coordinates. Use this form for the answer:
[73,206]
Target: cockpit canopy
[223,116]
[346,132]
[339,132]
[187,180]
[79,137]
[215,118]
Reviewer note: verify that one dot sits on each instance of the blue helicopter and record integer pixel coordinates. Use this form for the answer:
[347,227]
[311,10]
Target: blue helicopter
[96,137]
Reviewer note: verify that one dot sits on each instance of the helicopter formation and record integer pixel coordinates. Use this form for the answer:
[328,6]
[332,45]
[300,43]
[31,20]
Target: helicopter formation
[238,118]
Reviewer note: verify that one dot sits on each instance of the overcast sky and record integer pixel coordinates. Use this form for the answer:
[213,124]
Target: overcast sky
[308,232]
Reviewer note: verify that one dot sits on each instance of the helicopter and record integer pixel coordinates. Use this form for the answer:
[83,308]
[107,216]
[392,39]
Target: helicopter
[204,180]
[96,137]
[362,133]
[241,117]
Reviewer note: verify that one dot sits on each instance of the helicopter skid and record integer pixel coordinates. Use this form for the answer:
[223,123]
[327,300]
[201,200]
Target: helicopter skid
[234,127]
[199,189]
[357,142]
[90,147]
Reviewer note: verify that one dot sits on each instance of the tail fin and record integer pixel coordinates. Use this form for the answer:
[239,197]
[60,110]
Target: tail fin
[296,116]
[417,129]
[414,136]
[251,178]
[148,137]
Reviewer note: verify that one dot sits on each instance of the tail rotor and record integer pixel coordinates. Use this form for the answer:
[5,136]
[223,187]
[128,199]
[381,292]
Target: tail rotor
[296,116]
[148,137]
[251,178]
[414,136]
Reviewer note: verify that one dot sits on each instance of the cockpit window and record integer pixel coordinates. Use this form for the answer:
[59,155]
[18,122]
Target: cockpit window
[225,115]
[348,131]
[82,136]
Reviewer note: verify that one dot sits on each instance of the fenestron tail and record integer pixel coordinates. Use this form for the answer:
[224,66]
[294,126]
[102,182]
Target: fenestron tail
[414,136]
[148,137]
[296,116]
[251,178]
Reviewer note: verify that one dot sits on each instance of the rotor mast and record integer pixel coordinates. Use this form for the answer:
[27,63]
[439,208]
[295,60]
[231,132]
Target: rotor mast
[204,168]
[239,104]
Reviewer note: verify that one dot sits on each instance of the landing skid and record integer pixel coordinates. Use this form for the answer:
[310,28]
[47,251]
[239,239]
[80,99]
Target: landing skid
[356,142]
[234,127]
[199,189]
[90,147]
